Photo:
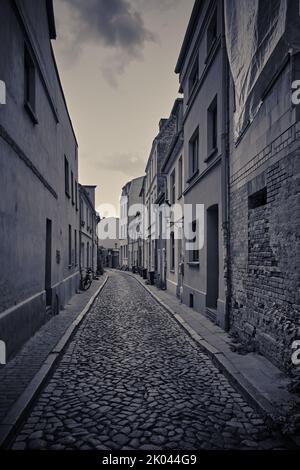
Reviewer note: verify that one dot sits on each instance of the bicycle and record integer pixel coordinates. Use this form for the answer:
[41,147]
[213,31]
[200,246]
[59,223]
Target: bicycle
[86,281]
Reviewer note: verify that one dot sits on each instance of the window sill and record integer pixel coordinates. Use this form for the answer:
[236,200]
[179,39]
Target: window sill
[70,266]
[191,178]
[172,271]
[31,112]
[194,264]
[212,154]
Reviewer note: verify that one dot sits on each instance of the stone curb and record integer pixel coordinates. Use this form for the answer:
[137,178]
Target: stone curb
[14,417]
[248,391]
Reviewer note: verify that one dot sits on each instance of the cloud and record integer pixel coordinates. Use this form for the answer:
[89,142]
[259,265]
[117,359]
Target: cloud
[114,66]
[128,164]
[162,5]
[115,24]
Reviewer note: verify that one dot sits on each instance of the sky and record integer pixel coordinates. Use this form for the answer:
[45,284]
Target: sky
[116,60]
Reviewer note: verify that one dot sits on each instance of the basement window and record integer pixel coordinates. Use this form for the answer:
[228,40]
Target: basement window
[258,199]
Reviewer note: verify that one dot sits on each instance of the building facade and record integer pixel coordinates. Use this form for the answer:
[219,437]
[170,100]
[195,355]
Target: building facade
[89,220]
[134,222]
[173,168]
[202,76]
[130,209]
[154,189]
[39,217]
[264,189]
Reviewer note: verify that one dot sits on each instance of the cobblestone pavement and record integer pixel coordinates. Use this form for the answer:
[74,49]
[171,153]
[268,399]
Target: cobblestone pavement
[19,371]
[131,378]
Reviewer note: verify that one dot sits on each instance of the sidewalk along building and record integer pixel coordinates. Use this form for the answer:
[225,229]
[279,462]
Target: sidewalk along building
[173,169]
[39,217]
[89,220]
[202,76]
[153,190]
[264,177]
[130,206]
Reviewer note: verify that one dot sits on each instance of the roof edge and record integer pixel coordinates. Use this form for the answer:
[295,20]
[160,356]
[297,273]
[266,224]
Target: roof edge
[51,19]
[188,35]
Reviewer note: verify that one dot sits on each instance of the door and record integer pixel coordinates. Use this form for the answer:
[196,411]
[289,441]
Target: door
[212,292]
[48,262]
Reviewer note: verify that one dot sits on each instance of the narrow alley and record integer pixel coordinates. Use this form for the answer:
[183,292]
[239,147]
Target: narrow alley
[131,379]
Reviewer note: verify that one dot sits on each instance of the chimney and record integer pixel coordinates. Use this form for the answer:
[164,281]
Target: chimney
[162,122]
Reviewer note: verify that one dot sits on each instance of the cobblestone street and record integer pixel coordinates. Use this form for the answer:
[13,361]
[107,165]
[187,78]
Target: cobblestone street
[131,378]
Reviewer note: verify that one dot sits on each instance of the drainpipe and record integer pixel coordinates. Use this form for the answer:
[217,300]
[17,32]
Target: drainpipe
[225,177]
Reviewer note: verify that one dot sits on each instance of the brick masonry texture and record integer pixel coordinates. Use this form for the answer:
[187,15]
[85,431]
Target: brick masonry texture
[265,255]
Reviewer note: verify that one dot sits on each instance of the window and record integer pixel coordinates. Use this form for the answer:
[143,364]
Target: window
[194,76]
[212,127]
[72,188]
[180,177]
[212,31]
[88,255]
[70,246]
[29,84]
[173,187]
[67,177]
[87,218]
[172,251]
[81,214]
[76,195]
[194,153]
[82,255]
[194,254]
[258,199]
[75,242]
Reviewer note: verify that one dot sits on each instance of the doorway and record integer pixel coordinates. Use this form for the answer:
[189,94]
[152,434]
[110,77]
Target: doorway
[212,291]
[48,263]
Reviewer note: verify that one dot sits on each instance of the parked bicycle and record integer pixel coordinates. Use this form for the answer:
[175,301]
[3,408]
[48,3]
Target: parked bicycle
[87,279]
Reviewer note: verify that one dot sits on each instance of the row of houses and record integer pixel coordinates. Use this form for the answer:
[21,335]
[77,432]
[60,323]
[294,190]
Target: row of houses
[229,150]
[47,219]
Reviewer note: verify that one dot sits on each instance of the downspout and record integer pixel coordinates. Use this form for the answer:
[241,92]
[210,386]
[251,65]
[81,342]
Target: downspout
[225,176]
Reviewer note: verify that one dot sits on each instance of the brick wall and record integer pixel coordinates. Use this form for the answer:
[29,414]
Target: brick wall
[265,255]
